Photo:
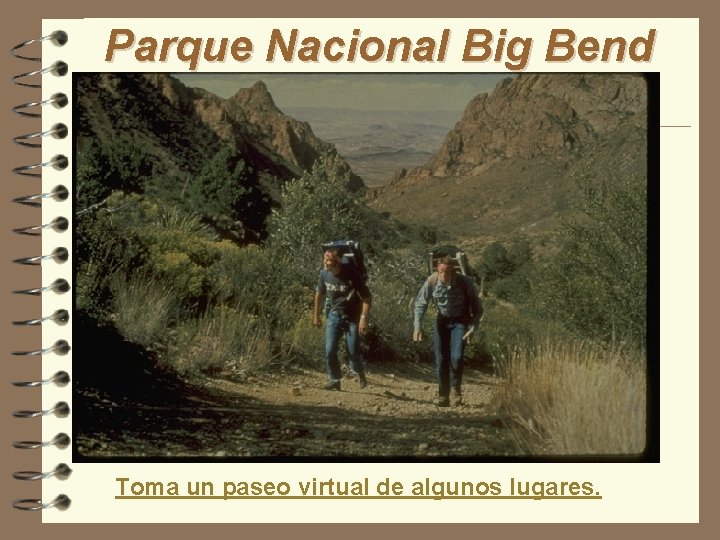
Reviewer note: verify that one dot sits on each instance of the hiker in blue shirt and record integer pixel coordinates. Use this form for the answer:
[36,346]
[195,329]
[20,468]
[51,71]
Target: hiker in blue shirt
[459,311]
[350,301]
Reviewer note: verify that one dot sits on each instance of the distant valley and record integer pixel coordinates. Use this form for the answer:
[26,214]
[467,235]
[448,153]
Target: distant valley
[376,144]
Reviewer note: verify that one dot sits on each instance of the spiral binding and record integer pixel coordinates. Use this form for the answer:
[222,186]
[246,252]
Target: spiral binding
[61,441]
[33,109]
[59,286]
[59,131]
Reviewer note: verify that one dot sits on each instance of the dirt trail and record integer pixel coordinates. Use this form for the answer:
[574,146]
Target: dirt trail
[286,414]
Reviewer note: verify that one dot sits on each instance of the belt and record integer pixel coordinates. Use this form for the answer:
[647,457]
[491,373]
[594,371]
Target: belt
[445,318]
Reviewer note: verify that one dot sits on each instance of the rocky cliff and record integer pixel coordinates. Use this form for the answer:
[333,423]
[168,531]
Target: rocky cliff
[251,118]
[541,116]
[513,160]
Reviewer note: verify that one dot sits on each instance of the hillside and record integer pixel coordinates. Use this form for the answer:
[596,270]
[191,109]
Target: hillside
[148,133]
[513,162]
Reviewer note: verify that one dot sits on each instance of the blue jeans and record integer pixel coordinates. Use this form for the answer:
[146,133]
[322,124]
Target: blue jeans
[336,327]
[449,349]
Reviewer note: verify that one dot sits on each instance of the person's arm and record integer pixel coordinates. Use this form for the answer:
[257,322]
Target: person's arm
[365,314]
[319,296]
[476,308]
[475,303]
[365,294]
[421,304]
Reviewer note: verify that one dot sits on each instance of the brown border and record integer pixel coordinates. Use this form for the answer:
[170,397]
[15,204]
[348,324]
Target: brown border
[22,20]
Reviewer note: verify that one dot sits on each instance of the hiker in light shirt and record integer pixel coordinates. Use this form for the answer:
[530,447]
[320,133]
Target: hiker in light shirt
[459,312]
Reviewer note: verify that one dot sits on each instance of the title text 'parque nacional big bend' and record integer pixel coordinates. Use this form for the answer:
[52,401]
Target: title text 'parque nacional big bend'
[480,45]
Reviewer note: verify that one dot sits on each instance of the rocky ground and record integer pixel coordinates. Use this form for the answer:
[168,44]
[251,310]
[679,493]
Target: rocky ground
[285,413]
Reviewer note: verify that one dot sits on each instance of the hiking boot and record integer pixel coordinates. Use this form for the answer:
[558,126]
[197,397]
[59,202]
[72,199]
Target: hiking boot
[333,385]
[442,401]
[456,398]
[362,380]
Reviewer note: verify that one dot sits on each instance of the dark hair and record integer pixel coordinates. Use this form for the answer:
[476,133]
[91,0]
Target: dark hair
[335,253]
[446,259]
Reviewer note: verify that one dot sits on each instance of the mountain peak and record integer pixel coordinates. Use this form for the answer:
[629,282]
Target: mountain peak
[256,97]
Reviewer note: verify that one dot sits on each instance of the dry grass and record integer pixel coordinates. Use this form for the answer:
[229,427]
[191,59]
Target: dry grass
[576,400]
[143,310]
[222,339]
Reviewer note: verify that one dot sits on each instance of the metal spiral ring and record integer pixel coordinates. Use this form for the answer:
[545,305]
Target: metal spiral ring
[61,316]
[58,162]
[58,68]
[58,100]
[59,286]
[61,472]
[59,255]
[59,224]
[58,37]
[61,441]
[61,502]
[33,79]
[60,347]
[61,378]
[58,131]
[59,193]
[60,409]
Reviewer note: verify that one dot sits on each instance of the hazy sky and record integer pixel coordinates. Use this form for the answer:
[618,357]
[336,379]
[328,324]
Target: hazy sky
[363,91]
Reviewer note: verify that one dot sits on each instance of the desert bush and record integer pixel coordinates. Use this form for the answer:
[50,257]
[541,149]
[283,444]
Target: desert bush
[597,283]
[571,398]
[238,275]
[175,247]
[101,254]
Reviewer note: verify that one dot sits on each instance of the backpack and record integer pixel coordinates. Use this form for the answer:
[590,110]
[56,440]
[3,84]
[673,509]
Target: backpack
[458,256]
[462,268]
[351,254]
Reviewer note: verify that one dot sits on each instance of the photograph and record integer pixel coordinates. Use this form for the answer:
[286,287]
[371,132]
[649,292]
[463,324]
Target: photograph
[354,267]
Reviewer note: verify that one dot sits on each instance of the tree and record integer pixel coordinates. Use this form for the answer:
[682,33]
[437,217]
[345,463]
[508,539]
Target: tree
[226,192]
[507,271]
[597,284]
[316,207]
[496,262]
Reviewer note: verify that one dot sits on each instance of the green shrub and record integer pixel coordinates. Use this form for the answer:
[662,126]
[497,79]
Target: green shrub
[396,279]
[508,272]
[227,193]
[597,284]
[316,208]
[506,328]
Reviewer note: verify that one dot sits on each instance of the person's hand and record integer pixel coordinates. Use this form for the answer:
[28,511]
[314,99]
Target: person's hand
[417,335]
[362,327]
[469,334]
[316,321]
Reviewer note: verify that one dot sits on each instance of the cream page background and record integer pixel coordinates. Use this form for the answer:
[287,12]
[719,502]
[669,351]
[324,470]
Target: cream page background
[631,492]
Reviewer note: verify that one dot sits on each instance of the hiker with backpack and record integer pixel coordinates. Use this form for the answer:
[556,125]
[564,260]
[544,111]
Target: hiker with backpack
[350,301]
[459,311]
